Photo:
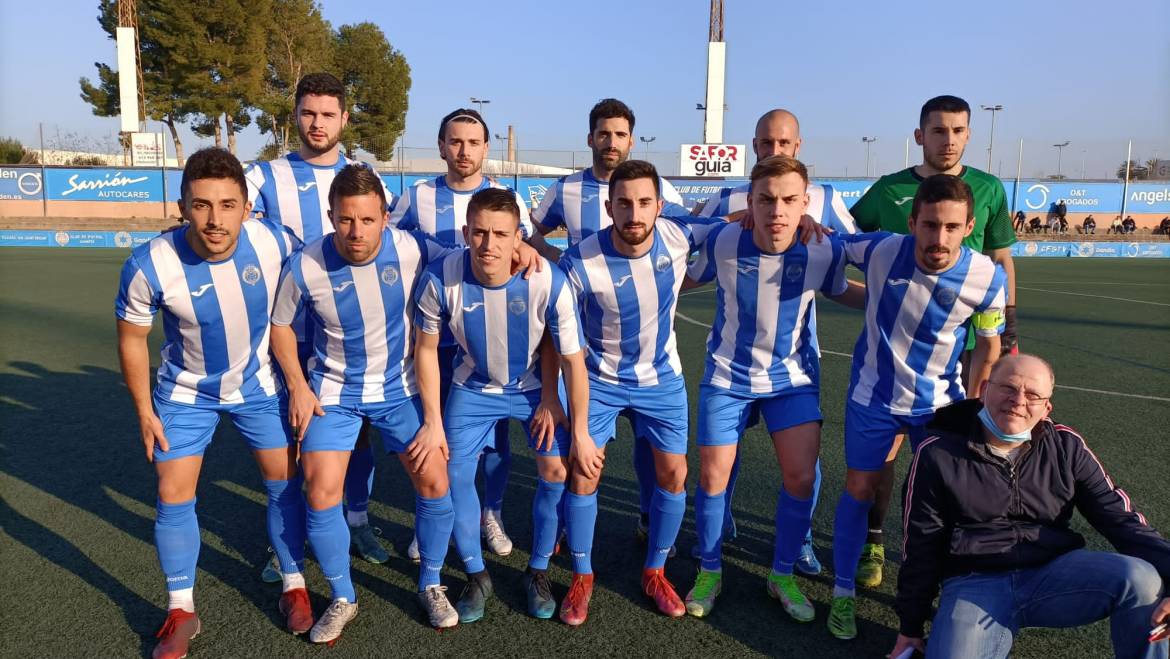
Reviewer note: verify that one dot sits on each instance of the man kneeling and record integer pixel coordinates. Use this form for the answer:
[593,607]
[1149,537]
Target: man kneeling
[988,502]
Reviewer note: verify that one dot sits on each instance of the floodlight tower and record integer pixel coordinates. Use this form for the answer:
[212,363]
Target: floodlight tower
[130,83]
[716,66]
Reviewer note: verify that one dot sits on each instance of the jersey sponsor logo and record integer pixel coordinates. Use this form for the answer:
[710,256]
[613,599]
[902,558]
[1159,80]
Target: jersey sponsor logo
[198,292]
[945,295]
[251,275]
[746,269]
[517,306]
[588,198]
[903,200]
[340,288]
[389,275]
[794,272]
[308,186]
[439,210]
[662,263]
[621,281]
[897,282]
[473,307]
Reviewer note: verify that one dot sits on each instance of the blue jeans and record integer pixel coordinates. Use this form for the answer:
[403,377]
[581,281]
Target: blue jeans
[980,614]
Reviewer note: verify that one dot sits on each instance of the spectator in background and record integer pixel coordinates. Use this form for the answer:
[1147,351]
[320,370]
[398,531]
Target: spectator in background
[1060,209]
[1128,226]
[1116,226]
[1020,222]
[1053,224]
[1164,227]
[1034,225]
[1089,226]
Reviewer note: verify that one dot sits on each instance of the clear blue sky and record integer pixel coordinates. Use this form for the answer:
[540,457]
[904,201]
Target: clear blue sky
[1095,74]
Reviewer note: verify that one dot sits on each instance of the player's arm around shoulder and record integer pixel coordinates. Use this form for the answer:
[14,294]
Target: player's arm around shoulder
[836,286]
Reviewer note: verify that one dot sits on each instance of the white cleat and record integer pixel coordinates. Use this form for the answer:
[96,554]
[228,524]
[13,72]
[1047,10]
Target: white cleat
[332,621]
[440,613]
[492,528]
[412,551]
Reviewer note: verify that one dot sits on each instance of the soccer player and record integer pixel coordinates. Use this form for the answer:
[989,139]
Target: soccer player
[762,358]
[626,279]
[943,131]
[214,280]
[923,290]
[576,203]
[293,190]
[778,134]
[438,207]
[498,320]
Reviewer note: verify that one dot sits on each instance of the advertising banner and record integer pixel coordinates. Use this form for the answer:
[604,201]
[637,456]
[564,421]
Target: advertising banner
[104,184]
[1092,249]
[712,160]
[21,184]
[49,238]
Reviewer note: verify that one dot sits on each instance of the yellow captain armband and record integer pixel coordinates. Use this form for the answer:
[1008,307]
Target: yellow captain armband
[987,320]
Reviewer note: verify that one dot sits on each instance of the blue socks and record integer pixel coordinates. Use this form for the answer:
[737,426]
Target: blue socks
[176,537]
[646,473]
[792,524]
[359,482]
[465,502]
[286,523]
[709,523]
[666,515]
[545,504]
[433,519]
[849,530]
[580,520]
[329,535]
[496,465]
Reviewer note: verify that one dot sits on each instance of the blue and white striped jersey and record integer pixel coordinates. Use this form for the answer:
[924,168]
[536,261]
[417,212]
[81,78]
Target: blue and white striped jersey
[627,304]
[215,315]
[906,360]
[498,329]
[825,206]
[363,350]
[438,211]
[294,193]
[762,341]
[577,203]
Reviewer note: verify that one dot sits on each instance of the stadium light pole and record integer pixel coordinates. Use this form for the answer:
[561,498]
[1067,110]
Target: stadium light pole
[479,102]
[991,141]
[1059,153]
[646,149]
[868,141]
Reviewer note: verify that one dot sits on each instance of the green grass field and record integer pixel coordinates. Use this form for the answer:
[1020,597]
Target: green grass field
[77,497]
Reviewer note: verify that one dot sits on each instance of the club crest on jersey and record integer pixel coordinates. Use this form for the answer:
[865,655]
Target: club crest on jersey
[794,272]
[251,275]
[662,263]
[946,296]
[517,306]
[389,275]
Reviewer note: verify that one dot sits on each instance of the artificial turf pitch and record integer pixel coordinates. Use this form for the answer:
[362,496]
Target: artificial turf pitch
[77,496]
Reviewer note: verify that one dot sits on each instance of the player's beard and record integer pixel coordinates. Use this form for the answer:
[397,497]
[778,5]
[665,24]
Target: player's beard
[330,142]
[939,165]
[600,162]
[633,239]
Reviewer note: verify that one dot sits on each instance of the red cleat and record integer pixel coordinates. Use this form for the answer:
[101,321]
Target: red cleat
[655,584]
[294,606]
[575,607]
[176,634]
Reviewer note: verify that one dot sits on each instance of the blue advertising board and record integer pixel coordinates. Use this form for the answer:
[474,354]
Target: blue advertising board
[21,184]
[104,184]
[1148,198]
[1092,249]
[48,238]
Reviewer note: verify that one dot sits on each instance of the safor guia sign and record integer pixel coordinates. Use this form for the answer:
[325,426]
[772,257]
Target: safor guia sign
[712,160]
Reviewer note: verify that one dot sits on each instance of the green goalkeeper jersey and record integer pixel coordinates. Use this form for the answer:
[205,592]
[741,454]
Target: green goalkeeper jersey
[886,207]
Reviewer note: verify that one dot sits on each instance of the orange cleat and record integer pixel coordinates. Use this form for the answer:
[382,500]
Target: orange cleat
[655,584]
[176,634]
[294,606]
[575,607]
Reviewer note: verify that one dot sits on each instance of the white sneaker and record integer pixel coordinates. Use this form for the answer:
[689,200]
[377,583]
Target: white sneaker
[412,551]
[332,621]
[492,528]
[439,610]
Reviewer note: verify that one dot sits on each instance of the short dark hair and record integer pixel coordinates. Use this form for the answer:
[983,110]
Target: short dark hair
[355,180]
[634,169]
[943,104]
[321,84]
[494,199]
[463,115]
[212,162]
[778,166]
[943,187]
[610,108]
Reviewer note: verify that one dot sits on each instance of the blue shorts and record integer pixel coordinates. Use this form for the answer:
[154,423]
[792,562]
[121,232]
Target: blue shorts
[724,415]
[870,432]
[658,413]
[470,421]
[188,429]
[398,422]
